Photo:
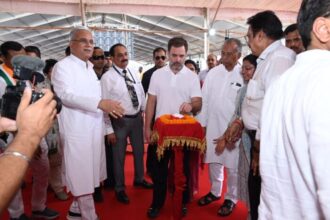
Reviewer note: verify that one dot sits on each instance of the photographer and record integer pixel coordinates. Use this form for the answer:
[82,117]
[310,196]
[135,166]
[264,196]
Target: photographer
[32,123]
[14,76]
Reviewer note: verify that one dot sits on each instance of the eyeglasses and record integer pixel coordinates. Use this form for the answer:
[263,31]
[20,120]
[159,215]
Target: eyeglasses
[84,41]
[249,36]
[224,53]
[101,57]
[246,38]
[160,57]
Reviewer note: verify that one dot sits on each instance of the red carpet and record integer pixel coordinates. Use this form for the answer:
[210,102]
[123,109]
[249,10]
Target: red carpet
[140,200]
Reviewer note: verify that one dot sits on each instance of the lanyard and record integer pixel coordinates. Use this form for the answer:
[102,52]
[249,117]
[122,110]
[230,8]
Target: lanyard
[125,77]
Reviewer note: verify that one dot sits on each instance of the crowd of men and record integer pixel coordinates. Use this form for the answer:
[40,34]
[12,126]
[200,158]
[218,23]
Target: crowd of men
[281,109]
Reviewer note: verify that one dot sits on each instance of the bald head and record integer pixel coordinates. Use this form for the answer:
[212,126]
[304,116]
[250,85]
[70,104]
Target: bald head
[230,53]
[211,61]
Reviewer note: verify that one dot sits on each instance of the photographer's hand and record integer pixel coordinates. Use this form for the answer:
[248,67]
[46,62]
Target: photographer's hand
[33,121]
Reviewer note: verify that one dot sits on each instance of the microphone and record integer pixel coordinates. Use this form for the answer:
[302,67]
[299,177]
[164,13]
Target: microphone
[28,68]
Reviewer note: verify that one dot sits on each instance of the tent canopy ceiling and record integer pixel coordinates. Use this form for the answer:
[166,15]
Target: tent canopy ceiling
[46,23]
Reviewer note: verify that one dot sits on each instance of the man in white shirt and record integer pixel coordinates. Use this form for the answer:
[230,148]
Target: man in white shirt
[159,57]
[81,123]
[211,62]
[173,89]
[219,95]
[264,39]
[122,83]
[295,141]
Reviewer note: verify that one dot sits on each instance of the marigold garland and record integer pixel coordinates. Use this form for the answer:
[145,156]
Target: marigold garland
[170,131]
[170,119]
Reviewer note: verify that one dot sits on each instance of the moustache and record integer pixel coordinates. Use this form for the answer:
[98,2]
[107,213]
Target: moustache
[123,61]
[176,64]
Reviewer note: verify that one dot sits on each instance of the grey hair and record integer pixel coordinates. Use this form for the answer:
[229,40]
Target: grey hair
[74,31]
[236,41]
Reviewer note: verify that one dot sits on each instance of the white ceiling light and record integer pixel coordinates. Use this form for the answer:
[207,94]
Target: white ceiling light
[212,32]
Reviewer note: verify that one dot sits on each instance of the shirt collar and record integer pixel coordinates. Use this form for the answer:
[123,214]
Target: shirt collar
[85,64]
[237,67]
[273,46]
[182,70]
[119,69]
[310,55]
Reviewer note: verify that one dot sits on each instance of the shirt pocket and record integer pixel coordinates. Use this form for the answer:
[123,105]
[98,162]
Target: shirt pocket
[118,89]
[139,89]
[233,89]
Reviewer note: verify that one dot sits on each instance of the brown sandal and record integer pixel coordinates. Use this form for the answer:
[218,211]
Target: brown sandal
[226,208]
[207,199]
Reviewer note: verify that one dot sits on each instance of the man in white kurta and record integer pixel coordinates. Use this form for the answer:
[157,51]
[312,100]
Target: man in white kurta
[81,123]
[295,140]
[219,94]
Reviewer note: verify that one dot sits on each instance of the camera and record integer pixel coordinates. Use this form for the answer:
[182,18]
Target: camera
[26,72]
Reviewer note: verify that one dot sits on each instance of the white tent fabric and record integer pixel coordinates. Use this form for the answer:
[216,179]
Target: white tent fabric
[46,23]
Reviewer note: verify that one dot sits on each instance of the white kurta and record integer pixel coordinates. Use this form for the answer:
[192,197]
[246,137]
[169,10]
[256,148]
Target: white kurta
[219,95]
[295,142]
[81,124]
[202,75]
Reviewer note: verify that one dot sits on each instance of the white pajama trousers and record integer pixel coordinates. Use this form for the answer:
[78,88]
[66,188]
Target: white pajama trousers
[85,206]
[216,174]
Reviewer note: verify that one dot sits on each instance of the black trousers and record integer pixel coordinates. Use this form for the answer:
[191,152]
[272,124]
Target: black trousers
[151,153]
[110,181]
[160,174]
[254,185]
[151,158]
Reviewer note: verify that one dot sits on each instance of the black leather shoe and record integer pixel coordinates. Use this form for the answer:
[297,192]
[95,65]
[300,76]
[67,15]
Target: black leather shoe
[144,184]
[153,212]
[73,215]
[184,210]
[122,197]
[21,217]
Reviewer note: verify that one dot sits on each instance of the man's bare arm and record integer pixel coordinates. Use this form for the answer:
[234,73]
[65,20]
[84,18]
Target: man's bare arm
[32,121]
[149,114]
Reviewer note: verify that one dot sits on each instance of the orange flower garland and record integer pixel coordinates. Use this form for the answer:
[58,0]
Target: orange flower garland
[170,119]
[170,131]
